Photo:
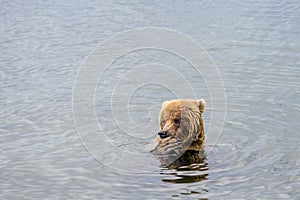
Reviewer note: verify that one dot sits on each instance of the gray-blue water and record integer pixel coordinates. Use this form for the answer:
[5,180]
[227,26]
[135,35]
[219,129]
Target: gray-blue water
[254,44]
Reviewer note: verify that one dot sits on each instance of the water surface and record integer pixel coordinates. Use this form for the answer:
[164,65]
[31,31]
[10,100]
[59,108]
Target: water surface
[256,48]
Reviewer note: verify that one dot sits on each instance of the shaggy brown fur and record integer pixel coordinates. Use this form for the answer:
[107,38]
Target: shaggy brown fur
[181,127]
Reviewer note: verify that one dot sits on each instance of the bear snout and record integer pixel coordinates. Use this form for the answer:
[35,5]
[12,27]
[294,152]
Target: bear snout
[163,134]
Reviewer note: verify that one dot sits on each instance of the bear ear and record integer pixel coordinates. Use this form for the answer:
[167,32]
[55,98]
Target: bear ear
[164,103]
[201,104]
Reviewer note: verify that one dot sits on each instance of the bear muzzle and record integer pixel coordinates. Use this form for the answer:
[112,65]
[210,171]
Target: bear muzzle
[163,134]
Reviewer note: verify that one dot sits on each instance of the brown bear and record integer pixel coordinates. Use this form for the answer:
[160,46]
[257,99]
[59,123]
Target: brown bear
[181,127]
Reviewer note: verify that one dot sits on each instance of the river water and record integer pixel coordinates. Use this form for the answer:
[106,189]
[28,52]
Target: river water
[255,46]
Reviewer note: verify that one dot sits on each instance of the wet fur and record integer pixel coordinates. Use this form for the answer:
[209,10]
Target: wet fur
[188,134]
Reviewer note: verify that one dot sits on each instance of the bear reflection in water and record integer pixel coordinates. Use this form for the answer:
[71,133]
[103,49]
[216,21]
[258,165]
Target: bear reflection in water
[180,139]
[189,167]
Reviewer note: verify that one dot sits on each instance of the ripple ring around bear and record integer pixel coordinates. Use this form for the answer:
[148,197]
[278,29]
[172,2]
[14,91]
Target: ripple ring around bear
[88,127]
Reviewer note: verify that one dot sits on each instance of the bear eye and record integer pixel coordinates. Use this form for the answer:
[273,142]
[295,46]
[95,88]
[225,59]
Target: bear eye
[176,121]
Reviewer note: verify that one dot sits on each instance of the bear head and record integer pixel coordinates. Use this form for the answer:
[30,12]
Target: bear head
[181,126]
